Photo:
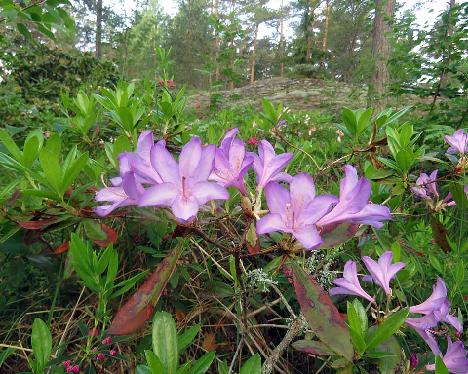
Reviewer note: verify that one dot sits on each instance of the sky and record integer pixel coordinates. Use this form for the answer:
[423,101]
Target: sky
[427,12]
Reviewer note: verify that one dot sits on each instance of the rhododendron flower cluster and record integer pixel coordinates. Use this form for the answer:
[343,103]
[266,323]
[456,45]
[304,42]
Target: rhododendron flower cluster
[151,176]
[426,189]
[382,272]
[458,142]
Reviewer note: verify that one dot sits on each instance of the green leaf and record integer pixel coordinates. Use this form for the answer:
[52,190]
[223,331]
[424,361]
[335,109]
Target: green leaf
[385,330]
[154,363]
[10,145]
[51,167]
[405,160]
[440,367]
[41,342]
[165,341]
[223,367]
[24,30]
[143,369]
[186,338]
[252,366]
[30,151]
[355,328]
[202,365]
[388,355]
[362,314]
[73,170]
[322,316]
[5,354]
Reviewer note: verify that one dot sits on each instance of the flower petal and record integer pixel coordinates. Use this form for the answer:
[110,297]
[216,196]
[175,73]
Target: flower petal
[190,157]
[270,223]
[277,198]
[308,236]
[159,195]
[165,165]
[185,209]
[206,191]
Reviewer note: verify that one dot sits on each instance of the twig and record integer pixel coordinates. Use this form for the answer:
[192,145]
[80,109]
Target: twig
[294,330]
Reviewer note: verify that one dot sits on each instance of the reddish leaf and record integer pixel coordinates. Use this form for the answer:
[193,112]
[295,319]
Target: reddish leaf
[39,224]
[322,316]
[337,234]
[439,233]
[111,236]
[140,306]
[312,347]
[61,248]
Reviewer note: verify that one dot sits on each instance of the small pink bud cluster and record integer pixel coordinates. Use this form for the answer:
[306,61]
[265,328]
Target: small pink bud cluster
[69,368]
[107,341]
[100,357]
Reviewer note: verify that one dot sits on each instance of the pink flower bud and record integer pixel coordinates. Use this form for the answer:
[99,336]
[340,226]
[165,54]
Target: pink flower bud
[67,363]
[107,341]
[113,352]
[76,369]
[100,357]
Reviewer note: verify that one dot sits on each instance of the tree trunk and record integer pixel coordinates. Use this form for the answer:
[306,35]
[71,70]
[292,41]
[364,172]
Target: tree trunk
[384,13]
[281,43]
[217,44]
[98,29]
[309,30]
[325,26]
[443,80]
[254,47]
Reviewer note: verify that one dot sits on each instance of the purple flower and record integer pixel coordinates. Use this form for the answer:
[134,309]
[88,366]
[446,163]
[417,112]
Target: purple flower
[295,211]
[421,326]
[125,194]
[353,204]
[458,142]
[383,271]
[231,162]
[267,165]
[454,359]
[426,189]
[426,186]
[184,186]
[437,307]
[349,284]
[139,161]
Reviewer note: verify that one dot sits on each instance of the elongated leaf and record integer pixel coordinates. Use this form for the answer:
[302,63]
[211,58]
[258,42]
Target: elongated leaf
[340,233]
[355,328]
[202,365]
[252,366]
[322,316]
[440,367]
[140,306]
[143,369]
[30,150]
[385,330]
[164,338]
[10,145]
[186,338]
[312,347]
[41,342]
[73,170]
[154,363]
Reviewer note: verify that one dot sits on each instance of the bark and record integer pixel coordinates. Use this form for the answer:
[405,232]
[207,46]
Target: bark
[325,26]
[443,80]
[309,39]
[216,44]
[281,43]
[254,49]
[98,29]
[384,13]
